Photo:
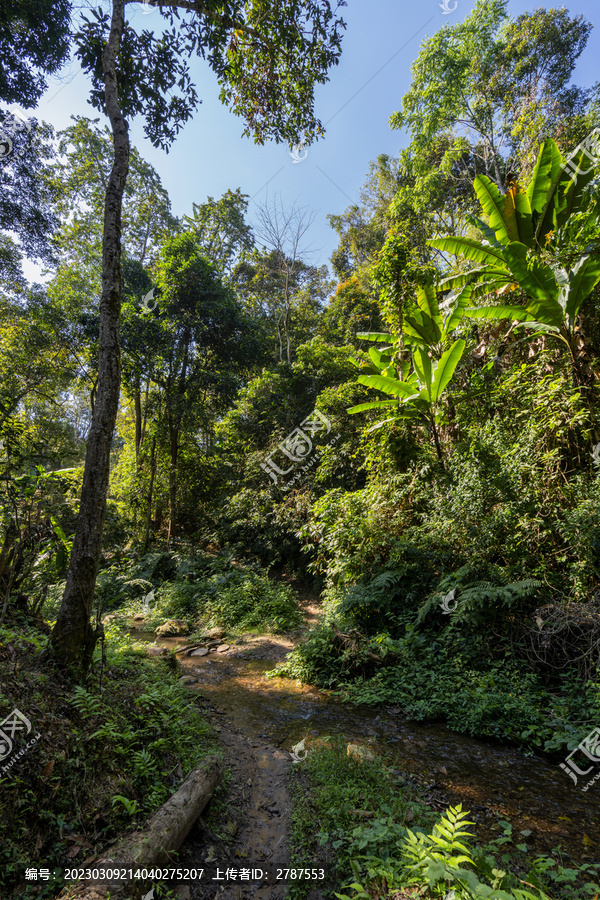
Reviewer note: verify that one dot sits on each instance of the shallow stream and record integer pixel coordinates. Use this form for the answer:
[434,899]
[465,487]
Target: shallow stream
[490,780]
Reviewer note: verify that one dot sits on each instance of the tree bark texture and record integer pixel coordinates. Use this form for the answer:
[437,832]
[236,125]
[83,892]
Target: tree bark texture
[73,638]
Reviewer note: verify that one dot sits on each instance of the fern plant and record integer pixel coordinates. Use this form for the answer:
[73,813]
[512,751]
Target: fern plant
[436,861]
[478,600]
[422,853]
[86,704]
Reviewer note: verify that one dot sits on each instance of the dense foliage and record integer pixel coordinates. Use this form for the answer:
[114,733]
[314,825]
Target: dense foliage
[418,441]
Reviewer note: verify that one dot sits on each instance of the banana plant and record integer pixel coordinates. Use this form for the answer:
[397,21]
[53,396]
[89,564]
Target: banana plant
[520,225]
[418,393]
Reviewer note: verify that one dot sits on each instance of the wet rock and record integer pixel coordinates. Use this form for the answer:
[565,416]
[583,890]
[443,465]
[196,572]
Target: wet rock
[358,752]
[188,679]
[157,651]
[172,627]
[216,633]
[200,651]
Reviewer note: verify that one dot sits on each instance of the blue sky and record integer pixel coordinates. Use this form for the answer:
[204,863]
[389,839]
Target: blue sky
[381,41]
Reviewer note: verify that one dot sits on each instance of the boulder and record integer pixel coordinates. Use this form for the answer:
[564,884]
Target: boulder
[199,651]
[216,634]
[188,679]
[172,627]
[359,753]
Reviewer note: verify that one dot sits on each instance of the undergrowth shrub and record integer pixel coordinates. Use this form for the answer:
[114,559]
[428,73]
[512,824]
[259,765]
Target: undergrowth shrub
[446,860]
[249,600]
[111,751]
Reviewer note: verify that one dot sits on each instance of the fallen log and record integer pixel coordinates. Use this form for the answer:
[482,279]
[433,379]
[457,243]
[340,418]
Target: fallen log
[161,837]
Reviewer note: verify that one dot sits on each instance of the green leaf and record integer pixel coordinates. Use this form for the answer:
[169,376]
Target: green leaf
[376,357]
[539,326]
[498,312]
[58,530]
[458,309]
[492,203]
[547,166]
[535,278]
[423,323]
[478,223]
[566,193]
[375,404]
[445,368]
[517,213]
[380,336]
[422,364]
[473,250]
[583,278]
[580,168]
[388,385]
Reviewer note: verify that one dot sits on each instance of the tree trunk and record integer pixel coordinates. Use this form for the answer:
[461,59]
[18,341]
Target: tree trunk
[162,836]
[150,492]
[286,319]
[137,400]
[73,639]
[174,450]
[436,441]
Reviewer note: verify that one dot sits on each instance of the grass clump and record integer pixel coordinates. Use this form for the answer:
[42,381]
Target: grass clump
[250,600]
[365,826]
[344,806]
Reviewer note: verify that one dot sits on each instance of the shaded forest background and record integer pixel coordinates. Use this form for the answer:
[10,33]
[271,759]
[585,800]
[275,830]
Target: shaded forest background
[446,503]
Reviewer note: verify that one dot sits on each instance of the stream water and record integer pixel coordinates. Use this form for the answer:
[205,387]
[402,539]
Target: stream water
[490,780]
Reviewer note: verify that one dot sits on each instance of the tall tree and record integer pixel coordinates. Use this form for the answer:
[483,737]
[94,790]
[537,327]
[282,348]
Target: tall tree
[221,229]
[283,232]
[268,59]
[202,341]
[80,177]
[362,227]
[34,43]
[485,92]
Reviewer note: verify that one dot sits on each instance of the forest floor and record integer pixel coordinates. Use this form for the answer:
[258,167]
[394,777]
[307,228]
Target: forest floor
[249,823]
[255,807]
[255,832]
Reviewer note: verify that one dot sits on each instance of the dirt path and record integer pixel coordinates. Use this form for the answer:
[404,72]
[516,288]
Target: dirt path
[254,824]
